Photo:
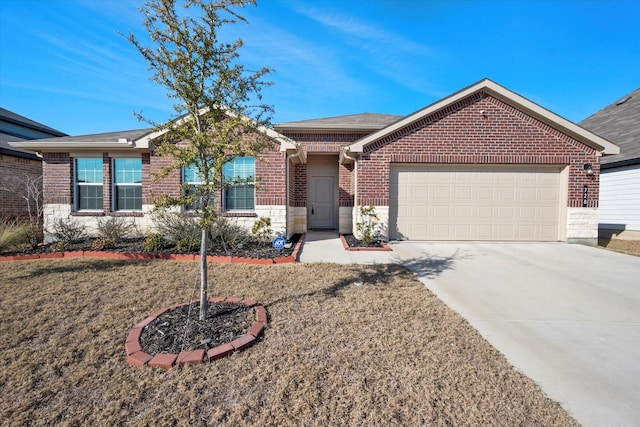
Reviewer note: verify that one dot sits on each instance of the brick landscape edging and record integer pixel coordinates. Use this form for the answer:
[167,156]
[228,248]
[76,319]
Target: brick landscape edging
[144,256]
[383,246]
[137,357]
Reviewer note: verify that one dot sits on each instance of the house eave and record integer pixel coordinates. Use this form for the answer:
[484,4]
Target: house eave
[601,145]
[39,146]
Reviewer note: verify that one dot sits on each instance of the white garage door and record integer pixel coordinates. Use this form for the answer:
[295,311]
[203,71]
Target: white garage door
[475,203]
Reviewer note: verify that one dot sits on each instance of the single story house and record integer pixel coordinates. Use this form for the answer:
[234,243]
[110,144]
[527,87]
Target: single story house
[619,210]
[481,164]
[16,164]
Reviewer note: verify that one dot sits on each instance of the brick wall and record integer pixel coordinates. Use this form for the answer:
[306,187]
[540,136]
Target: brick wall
[13,171]
[57,178]
[272,178]
[460,134]
[323,143]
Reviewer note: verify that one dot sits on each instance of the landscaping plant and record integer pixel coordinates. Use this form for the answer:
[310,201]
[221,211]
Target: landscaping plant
[367,227]
[218,104]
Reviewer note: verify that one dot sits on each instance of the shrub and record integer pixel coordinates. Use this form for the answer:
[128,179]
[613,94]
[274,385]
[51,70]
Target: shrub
[366,228]
[69,230]
[103,243]
[154,242]
[61,246]
[115,228]
[187,244]
[228,234]
[262,229]
[176,227]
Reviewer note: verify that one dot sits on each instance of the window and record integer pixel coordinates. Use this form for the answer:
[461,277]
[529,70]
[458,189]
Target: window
[88,184]
[239,189]
[127,184]
[191,178]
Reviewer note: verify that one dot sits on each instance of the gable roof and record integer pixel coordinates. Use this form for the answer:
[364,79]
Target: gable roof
[363,122]
[619,122]
[520,103]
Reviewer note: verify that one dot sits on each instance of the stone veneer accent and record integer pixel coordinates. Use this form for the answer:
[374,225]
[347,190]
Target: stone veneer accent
[582,225]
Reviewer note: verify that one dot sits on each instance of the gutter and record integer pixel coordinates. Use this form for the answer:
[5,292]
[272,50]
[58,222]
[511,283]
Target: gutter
[58,146]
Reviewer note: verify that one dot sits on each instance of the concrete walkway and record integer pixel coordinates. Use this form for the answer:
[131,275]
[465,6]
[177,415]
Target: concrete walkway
[567,316]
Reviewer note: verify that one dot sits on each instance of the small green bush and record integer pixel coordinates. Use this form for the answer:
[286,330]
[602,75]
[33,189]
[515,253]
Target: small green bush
[61,246]
[187,244]
[68,230]
[154,242]
[366,228]
[262,229]
[103,243]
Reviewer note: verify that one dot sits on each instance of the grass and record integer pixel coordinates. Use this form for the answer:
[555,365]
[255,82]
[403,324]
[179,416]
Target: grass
[385,353]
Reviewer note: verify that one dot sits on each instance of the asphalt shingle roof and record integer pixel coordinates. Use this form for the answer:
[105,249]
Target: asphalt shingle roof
[363,121]
[619,123]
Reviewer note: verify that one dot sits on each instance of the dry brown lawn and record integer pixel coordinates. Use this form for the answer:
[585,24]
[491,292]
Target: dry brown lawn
[630,247]
[385,353]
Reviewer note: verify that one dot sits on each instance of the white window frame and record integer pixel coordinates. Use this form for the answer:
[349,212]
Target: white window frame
[77,184]
[225,208]
[115,185]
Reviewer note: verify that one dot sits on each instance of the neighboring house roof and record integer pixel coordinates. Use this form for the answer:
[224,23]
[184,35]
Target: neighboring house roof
[122,139]
[130,139]
[619,122]
[511,98]
[353,122]
[14,127]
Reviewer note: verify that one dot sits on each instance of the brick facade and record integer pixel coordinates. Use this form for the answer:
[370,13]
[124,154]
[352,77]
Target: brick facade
[319,144]
[13,172]
[460,134]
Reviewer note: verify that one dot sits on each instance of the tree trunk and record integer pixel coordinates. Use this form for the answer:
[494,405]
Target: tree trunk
[203,275]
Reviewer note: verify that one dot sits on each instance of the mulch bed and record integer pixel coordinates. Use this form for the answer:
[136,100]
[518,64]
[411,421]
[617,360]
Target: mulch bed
[181,329]
[353,242]
[248,249]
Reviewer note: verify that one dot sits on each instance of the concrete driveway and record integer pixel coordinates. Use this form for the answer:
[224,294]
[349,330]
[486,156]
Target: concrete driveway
[567,316]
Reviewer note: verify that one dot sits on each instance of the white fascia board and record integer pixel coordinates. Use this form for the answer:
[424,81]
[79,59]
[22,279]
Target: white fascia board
[69,146]
[603,146]
[276,136]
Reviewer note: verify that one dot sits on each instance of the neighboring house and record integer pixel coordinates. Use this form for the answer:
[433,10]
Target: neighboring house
[481,164]
[619,212]
[16,164]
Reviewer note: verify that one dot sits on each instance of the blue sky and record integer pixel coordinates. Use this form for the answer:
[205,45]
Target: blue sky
[64,63]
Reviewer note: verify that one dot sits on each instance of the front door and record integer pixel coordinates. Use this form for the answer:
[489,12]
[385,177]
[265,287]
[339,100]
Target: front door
[322,202]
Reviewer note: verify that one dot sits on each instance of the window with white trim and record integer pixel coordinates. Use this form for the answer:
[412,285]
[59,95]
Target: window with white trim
[191,178]
[88,181]
[127,184]
[239,190]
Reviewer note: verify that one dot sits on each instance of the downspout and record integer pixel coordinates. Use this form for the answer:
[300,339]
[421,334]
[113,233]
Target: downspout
[345,152]
[286,208]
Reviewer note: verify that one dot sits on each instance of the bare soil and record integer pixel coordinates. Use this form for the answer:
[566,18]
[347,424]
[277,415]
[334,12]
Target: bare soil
[333,353]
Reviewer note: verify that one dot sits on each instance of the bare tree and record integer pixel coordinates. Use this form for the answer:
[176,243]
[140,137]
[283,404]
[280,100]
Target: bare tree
[29,189]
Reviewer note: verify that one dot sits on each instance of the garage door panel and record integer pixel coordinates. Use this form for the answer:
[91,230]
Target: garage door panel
[475,203]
